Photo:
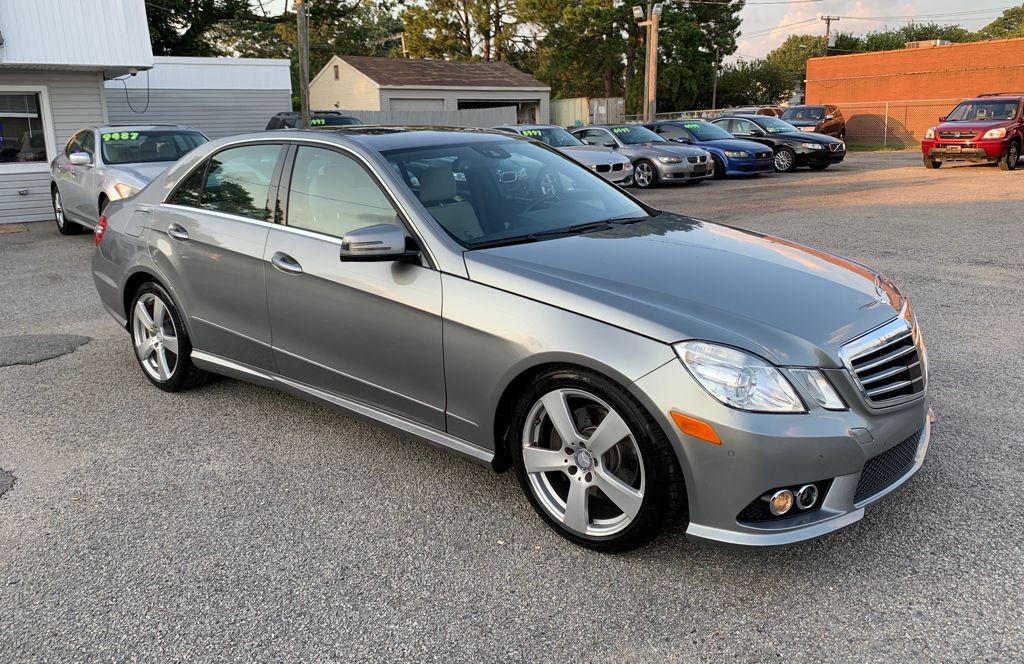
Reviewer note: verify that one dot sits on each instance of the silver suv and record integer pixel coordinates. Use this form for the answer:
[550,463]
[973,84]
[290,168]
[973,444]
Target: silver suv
[107,163]
[573,335]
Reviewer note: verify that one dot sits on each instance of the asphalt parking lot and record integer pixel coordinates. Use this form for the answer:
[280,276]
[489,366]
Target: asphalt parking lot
[236,523]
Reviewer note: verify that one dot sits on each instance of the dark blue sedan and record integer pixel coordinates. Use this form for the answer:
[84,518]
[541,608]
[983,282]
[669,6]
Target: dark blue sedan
[732,156]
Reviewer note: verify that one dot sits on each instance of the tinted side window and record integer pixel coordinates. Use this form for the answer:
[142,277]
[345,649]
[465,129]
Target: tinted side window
[88,142]
[672,132]
[743,127]
[74,145]
[238,181]
[187,192]
[331,193]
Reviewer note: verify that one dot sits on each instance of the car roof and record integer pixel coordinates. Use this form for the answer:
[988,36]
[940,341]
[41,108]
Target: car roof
[142,127]
[526,126]
[998,96]
[382,138]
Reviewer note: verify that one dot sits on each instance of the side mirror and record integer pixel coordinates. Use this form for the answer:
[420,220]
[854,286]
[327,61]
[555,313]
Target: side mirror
[611,144]
[830,117]
[381,242]
[80,158]
[942,118]
[756,132]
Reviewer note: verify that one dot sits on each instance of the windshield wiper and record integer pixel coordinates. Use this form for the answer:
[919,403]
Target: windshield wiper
[578,229]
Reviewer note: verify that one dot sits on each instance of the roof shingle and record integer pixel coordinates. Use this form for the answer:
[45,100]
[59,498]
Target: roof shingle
[458,74]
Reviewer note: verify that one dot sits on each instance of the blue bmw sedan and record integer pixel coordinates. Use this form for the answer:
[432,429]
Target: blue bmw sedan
[732,156]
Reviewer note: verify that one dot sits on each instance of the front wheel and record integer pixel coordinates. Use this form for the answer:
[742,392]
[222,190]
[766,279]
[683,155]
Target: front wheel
[785,160]
[593,463]
[719,168]
[162,345]
[645,175]
[64,226]
[1011,158]
[931,164]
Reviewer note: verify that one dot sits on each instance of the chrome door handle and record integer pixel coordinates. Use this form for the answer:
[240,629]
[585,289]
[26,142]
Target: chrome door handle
[177,231]
[286,263]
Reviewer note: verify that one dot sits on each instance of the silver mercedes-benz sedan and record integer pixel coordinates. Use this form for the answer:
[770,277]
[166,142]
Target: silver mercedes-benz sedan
[103,164]
[612,167]
[633,366]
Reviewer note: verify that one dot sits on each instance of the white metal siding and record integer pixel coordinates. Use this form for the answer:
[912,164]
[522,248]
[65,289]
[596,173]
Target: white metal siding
[451,97]
[90,34]
[352,90]
[75,102]
[216,113]
[181,73]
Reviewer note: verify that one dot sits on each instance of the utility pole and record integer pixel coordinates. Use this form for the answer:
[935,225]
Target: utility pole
[303,27]
[714,87]
[653,15]
[828,31]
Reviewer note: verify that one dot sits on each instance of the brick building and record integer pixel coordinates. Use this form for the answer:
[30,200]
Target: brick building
[893,97]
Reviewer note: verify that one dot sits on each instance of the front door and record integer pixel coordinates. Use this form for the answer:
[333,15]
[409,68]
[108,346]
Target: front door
[369,331]
[209,238]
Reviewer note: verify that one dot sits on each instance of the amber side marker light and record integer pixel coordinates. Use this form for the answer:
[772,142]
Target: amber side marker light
[696,428]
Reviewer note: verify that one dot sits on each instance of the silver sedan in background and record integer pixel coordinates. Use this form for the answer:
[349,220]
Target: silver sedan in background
[108,163]
[632,365]
[604,161]
[655,160]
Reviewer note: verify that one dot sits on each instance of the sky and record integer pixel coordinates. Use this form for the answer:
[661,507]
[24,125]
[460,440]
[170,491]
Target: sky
[767,23]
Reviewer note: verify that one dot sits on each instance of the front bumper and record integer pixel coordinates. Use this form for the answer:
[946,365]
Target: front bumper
[761,452]
[685,171]
[819,157]
[989,151]
[622,177]
[734,166]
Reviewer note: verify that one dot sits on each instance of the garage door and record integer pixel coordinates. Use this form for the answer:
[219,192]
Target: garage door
[417,104]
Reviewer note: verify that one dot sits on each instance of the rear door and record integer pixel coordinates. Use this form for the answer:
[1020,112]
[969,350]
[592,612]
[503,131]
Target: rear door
[369,331]
[746,129]
[209,237]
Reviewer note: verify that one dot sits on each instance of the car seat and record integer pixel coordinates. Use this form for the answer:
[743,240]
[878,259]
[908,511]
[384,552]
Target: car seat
[439,194]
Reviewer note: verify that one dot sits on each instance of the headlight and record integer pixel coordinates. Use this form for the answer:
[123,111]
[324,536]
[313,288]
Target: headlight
[737,154]
[994,133]
[669,160]
[930,134]
[818,388]
[125,190]
[813,146]
[739,379]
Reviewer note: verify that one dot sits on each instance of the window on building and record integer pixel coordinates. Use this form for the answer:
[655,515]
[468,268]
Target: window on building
[337,75]
[21,128]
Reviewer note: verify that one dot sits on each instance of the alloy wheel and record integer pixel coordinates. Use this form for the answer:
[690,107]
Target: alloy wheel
[1014,156]
[58,209]
[583,465]
[643,174]
[155,337]
[783,160]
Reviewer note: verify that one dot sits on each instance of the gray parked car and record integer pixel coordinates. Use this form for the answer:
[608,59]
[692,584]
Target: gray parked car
[611,166]
[655,160]
[632,365]
[103,164]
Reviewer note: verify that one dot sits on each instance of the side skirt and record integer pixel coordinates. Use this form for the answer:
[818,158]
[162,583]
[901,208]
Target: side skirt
[396,423]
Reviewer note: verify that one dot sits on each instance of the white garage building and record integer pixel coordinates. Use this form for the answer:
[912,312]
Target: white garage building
[361,83]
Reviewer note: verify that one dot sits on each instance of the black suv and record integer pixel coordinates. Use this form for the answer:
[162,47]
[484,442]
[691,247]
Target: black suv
[793,148]
[292,119]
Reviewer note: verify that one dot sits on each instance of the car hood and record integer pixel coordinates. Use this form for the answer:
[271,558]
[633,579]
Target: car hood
[143,173]
[804,135]
[673,278]
[975,126]
[734,144]
[667,149]
[589,155]
[803,123]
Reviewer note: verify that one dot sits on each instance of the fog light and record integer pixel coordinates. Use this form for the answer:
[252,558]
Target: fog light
[781,502]
[807,496]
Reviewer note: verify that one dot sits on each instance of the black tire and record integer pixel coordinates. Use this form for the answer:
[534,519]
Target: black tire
[642,182]
[719,168]
[185,375]
[1011,159]
[664,494]
[64,225]
[931,164]
[819,167]
[787,164]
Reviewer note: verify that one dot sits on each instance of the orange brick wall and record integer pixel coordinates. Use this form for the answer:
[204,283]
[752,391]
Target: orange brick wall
[860,84]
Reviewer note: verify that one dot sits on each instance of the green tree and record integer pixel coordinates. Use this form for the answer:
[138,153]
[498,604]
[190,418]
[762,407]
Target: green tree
[897,38]
[184,27]
[793,54]
[754,82]
[461,29]
[1009,25]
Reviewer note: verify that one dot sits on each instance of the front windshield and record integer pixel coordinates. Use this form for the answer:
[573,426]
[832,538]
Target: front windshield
[775,126]
[556,137]
[507,190]
[982,111]
[635,134]
[333,121]
[705,131]
[139,147]
[815,113]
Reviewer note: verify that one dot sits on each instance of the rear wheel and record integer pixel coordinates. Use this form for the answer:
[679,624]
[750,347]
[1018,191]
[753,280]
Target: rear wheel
[593,463]
[1011,159]
[162,346]
[64,226]
[930,163]
[785,160]
[645,175]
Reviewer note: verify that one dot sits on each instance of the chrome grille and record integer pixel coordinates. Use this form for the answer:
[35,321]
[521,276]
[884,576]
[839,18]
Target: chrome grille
[836,147]
[958,134]
[887,364]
